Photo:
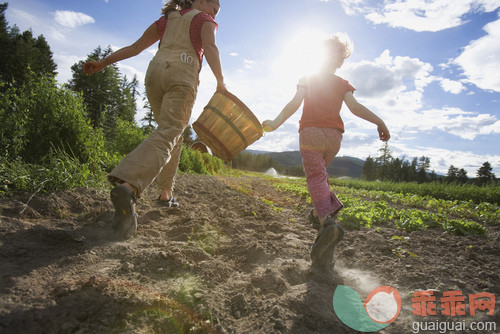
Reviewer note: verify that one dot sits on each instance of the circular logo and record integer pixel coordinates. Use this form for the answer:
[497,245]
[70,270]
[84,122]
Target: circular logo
[379,310]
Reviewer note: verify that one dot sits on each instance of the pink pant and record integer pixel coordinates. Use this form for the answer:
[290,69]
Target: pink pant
[318,147]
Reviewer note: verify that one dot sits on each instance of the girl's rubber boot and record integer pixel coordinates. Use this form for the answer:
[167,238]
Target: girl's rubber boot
[329,235]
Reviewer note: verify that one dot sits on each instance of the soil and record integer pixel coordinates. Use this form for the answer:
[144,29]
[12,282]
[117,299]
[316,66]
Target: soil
[226,261]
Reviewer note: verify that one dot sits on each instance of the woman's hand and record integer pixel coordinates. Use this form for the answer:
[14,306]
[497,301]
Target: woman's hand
[221,87]
[92,67]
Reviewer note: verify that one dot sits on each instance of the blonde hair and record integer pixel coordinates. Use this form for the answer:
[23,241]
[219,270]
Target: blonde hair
[340,40]
[176,5]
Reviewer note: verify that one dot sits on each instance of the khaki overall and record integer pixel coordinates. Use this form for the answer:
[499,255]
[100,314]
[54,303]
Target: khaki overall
[171,87]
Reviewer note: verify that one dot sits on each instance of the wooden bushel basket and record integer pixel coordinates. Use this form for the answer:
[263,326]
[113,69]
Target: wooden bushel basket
[227,126]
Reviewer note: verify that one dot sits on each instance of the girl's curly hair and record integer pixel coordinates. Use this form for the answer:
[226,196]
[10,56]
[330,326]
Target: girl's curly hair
[176,5]
[342,41]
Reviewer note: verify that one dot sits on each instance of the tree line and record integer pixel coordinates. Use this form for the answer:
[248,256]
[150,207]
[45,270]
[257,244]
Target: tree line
[387,168]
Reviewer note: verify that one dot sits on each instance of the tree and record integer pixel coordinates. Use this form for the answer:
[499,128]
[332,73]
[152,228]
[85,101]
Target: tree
[413,170]
[4,41]
[107,95]
[148,118]
[396,170]
[22,53]
[422,168]
[370,169]
[452,174]
[462,176]
[406,171]
[383,162]
[485,174]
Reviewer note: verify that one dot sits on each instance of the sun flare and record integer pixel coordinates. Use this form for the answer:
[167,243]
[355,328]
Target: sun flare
[301,54]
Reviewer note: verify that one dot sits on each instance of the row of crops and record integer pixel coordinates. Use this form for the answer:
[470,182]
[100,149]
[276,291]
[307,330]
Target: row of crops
[407,211]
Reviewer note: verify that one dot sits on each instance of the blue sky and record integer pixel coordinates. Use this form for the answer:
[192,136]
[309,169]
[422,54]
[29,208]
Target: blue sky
[430,69]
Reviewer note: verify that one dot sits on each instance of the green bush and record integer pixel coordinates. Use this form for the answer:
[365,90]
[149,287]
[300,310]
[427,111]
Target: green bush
[193,161]
[40,116]
[127,136]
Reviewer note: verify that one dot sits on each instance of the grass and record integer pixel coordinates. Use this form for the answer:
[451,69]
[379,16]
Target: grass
[59,171]
[208,237]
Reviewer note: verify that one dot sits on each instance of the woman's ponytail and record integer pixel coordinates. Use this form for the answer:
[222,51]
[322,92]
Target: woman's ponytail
[176,5]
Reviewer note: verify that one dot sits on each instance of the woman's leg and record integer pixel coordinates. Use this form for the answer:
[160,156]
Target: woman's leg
[141,166]
[166,178]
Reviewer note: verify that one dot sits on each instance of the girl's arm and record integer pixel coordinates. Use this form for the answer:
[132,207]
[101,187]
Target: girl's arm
[212,52]
[363,112]
[287,111]
[150,36]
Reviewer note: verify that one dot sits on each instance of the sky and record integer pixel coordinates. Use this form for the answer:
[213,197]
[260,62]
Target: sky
[429,69]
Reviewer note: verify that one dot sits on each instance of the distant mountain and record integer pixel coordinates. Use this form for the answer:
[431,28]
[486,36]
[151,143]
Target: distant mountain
[341,166]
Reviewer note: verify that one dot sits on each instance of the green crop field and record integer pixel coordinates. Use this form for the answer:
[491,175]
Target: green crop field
[408,209]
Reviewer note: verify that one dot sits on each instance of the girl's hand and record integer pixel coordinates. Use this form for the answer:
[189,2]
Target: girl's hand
[268,125]
[92,67]
[383,132]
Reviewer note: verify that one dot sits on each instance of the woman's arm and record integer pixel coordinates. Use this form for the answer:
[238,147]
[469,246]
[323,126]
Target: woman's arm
[212,52]
[149,37]
[363,112]
[287,111]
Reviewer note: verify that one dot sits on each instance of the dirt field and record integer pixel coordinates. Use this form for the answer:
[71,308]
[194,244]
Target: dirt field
[225,261]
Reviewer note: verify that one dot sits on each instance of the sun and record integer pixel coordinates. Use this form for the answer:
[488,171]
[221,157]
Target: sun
[301,54]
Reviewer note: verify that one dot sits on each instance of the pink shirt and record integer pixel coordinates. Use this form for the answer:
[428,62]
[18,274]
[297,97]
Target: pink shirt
[195,30]
[323,101]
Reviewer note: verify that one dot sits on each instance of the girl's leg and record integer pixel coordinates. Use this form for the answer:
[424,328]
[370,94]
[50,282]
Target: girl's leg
[318,148]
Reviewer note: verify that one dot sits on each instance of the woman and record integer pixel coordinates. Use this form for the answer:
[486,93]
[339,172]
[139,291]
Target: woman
[186,32]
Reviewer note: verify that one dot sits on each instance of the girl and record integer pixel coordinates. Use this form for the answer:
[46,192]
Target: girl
[320,135]
[186,32]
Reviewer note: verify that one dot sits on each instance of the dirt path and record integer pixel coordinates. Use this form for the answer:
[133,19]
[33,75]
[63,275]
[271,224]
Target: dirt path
[224,262]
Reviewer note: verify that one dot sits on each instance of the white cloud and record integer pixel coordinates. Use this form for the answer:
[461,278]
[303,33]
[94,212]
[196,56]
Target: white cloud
[419,15]
[480,60]
[466,125]
[388,74]
[452,86]
[249,63]
[390,79]
[70,19]
[19,15]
